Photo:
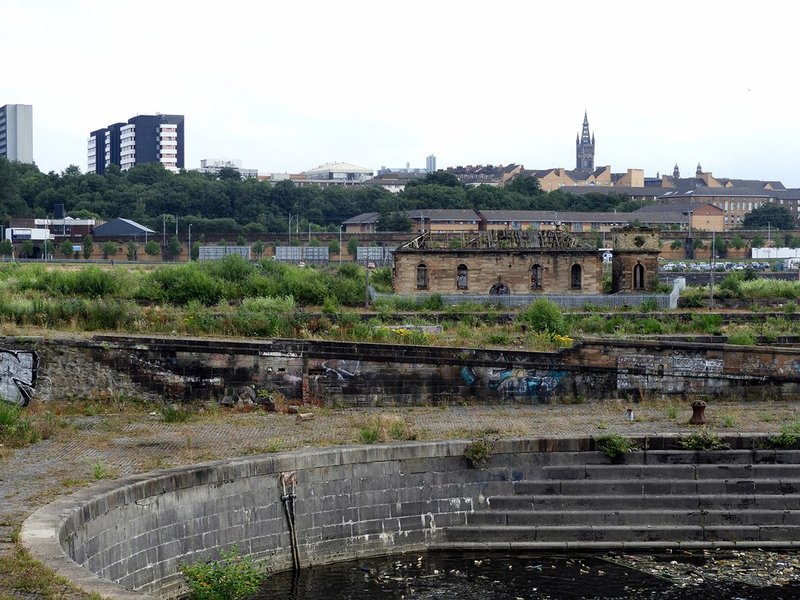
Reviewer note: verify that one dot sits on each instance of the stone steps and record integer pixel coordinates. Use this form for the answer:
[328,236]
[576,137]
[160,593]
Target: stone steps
[611,533]
[651,499]
[707,517]
[657,486]
[672,457]
[672,471]
[641,502]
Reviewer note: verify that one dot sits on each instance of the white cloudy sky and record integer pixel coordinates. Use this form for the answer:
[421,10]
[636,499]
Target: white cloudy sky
[286,86]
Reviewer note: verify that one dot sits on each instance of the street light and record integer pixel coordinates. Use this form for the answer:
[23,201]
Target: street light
[711,273]
[369,265]
[190,242]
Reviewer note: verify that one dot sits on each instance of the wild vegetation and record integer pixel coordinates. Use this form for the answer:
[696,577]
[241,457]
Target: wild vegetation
[234,297]
[226,204]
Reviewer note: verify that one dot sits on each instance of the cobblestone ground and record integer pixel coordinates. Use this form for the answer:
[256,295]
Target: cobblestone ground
[114,445]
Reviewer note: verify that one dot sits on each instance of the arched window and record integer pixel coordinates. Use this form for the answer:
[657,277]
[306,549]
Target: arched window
[536,277]
[462,277]
[638,277]
[422,276]
[575,277]
[499,289]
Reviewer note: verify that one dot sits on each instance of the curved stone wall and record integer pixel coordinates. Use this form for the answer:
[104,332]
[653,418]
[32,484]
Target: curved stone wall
[351,501]
[126,539]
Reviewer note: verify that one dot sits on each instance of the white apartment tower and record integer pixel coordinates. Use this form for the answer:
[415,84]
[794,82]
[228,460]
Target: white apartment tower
[16,132]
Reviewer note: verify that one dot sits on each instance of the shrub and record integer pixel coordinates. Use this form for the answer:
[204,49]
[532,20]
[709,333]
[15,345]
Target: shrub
[66,248]
[789,436]
[15,429]
[369,434]
[179,285]
[233,268]
[109,249]
[91,281]
[174,414]
[544,316]
[478,453]
[648,305]
[742,337]
[650,326]
[88,246]
[232,577]
[352,246]
[109,314]
[152,248]
[703,440]
[613,445]
[708,323]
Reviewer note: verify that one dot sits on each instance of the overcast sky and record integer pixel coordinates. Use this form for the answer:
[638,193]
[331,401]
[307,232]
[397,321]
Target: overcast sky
[286,86]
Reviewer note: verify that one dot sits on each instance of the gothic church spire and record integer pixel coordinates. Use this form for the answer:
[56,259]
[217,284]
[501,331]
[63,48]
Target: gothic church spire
[584,148]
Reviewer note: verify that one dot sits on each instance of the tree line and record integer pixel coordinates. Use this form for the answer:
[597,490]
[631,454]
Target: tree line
[227,204]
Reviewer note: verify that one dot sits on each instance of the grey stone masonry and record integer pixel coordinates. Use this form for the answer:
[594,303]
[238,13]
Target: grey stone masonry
[648,499]
[127,539]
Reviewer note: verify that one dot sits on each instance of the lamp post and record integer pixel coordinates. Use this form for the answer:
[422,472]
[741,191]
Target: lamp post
[367,268]
[711,272]
[688,247]
[190,242]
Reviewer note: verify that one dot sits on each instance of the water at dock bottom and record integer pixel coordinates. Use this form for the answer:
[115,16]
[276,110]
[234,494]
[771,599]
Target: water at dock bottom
[523,576]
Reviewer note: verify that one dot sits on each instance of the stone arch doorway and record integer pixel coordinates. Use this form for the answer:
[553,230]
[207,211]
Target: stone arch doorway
[638,277]
[499,289]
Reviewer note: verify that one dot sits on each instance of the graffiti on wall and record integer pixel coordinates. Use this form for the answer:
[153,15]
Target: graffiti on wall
[511,382]
[18,376]
[643,372]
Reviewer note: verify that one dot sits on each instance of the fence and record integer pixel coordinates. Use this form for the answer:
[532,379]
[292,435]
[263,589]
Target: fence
[218,252]
[317,254]
[379,255]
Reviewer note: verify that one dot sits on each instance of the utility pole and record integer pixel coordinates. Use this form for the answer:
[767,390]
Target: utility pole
[340,244]
[711,273]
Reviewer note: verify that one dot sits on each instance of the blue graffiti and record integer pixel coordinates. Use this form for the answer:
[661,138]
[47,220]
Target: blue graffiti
[517,382]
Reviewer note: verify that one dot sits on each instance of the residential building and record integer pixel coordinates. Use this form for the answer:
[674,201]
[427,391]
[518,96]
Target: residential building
[699,216]
[214,166]
[394,182]
[486,175]
[440,220]
[703,216]
[430,164]
[16,132]
[143,139]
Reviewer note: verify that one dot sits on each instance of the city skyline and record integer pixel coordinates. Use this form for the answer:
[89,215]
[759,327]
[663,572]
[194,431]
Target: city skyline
[287,88]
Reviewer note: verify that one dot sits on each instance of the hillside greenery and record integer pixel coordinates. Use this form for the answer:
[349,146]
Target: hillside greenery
[226,204]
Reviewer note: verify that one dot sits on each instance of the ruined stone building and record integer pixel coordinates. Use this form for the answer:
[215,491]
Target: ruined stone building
[524,262]
[499,262]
